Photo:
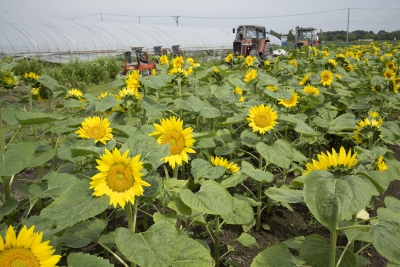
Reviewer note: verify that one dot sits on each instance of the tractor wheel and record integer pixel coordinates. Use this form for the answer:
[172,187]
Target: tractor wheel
[268,52]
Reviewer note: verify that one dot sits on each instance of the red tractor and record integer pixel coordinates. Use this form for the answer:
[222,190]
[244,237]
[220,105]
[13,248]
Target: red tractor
[305,37]
[251,40]
[143,63]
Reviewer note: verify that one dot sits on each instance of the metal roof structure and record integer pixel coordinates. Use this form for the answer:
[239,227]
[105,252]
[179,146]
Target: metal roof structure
[60,40]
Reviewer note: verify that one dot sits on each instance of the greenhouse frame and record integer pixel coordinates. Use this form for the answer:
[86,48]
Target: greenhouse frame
[60,40]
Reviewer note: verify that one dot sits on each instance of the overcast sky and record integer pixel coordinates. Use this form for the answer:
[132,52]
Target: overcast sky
[280,16]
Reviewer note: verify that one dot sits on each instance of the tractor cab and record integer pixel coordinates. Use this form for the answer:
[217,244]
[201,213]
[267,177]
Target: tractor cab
[306,37]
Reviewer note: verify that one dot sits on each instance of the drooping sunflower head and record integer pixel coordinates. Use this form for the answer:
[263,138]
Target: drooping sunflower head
[326,77]
[330,64]
[262,118]
[74,94]
[229,58]
[170,131]
[26,249]
[120,177]
[250,75]
[96,128]
[311,90]
[337,163]
[380,164]
[368,129]
[305,79]
[289,103]
[221,161]
[128,97]
[7,79]
[31,76]
[42,93]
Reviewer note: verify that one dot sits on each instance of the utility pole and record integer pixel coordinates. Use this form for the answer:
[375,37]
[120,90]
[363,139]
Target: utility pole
[177,21]
[348,21]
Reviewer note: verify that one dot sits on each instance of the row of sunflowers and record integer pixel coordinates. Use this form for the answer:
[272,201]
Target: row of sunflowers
[191,145]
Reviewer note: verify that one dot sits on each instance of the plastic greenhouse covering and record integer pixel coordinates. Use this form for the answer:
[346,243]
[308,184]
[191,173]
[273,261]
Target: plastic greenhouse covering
[60,40]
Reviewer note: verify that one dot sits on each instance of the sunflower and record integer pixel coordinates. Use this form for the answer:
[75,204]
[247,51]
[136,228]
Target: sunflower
[293,62]
[31,76]
[311,90]
[267,63]
[368,128]
[177,62]
[132,80]
[249,60]
[7,79]
[305,79]
[75,94]
[330,63]
[96,128]
[164,59]
[26,249]
[289,103]
[42,93]
[120,177]
[216,70]
[390,65]
[389,74]
[250,75]
[326,77]
[272,88]
[238,90]
[241,99]
[380,164]
[341,162]
[180,140]
[262,118]
[221,161]
[229,58]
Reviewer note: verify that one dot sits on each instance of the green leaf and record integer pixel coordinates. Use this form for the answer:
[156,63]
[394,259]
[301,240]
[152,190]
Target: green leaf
[248,241]
[226,149]
[75,204]
[256,174]
[87,260]
[281,94]
[315,251]
[8,207]
[49,82]
[41,156]
[222,91]
[154,248]
[386,233]
[233,180]
[249,138]
[393,204]
[242,214]
[210,112]
[274,256]
[82,233]
[331,200]
[34,118]
[152,108]
[192,254]
[16,158]
[203,169]
[192,103]
[279,154]
[285,195]
[106,103]
[345,122]
[212,198]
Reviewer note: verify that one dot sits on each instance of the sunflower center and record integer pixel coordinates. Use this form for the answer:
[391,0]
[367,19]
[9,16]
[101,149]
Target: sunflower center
[18,257]
[96,132]
[176,142]
[120,177]
[262,120]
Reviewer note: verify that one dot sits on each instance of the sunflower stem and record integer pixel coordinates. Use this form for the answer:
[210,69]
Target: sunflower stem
[259,188]
[129,216]
[353,221]
[332,254]
[216,240]
[175,174]
[6,180]
[106,252]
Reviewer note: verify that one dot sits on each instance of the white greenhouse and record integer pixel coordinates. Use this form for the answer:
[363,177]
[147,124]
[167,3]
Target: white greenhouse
[59,40]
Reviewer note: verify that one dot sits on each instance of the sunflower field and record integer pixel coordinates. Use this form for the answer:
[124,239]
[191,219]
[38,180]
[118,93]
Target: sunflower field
[207,147]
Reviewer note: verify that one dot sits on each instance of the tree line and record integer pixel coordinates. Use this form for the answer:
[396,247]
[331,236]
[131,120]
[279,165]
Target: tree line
[353,36]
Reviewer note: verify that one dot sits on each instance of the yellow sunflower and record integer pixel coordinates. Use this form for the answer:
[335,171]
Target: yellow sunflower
[380,164]
[26,249]
[293,62]
[120,177]
[132,80]
[164,59]
[75,94]
[289,103]
[31,76]
[42,93]
[368,128]
[229,58]
[311,90]
[272,88]
[267,63]
[216,70]
[241,99]
[326,77]
[250,75]
[333,162]
[389,74]
[305,79]
[238,90]
[390,65]
[96,128]
[177,62]
[262,118]
[221,161]
[180,140]
[249,60]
